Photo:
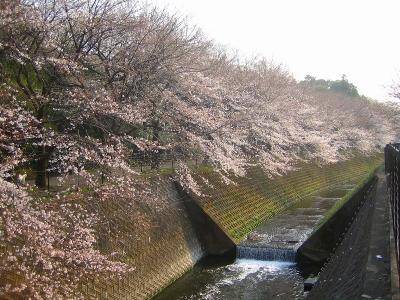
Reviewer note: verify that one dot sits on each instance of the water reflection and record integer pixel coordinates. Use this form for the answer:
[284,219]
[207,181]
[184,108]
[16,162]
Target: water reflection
[243,279]
[278,239]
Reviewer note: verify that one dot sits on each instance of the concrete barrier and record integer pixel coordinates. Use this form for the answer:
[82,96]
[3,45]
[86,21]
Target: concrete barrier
[323,241]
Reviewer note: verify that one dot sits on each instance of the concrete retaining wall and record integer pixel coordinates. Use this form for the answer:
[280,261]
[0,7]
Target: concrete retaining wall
[182,231]
[239,208]
[163,240]
[323,241]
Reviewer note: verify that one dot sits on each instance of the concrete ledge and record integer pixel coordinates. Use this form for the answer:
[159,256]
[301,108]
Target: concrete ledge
[360,267]
[377,278]
[324,240]
[213,239]
[395,289]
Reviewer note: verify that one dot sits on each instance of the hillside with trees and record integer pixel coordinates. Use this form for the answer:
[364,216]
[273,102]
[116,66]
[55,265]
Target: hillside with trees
[87,84]
[342,86]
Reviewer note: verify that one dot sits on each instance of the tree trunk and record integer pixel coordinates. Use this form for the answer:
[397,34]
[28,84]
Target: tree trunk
[41,167]
[155,156]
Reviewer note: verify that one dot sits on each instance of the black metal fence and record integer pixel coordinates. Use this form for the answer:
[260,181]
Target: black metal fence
[392,170]
[141,163]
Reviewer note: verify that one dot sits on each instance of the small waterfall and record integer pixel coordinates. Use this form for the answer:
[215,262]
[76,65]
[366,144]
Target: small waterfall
[266,253]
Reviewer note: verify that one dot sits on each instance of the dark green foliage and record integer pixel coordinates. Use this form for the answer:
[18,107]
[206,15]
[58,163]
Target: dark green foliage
[342,86]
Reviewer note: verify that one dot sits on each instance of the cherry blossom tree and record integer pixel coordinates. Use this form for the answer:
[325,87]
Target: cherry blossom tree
[50,247]
[81,79]
[92,72]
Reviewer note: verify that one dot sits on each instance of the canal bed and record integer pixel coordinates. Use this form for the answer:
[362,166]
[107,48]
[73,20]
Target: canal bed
[277,276]
[241,279]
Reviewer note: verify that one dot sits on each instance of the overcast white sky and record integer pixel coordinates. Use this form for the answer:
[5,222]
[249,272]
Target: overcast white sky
[324,38]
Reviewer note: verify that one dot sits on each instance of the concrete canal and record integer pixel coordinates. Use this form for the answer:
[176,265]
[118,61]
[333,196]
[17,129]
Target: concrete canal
[241,279]
[265,265]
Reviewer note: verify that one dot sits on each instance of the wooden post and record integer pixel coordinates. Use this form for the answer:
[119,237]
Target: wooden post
[48,180]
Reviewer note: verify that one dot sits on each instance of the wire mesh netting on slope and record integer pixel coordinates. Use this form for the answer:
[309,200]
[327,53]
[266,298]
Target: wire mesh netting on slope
[159,239]
[156,238]
[241,207]
[169,246]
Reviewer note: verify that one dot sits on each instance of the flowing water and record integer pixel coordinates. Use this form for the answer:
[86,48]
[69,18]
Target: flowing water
[265,266]
[266,253]
[242,279]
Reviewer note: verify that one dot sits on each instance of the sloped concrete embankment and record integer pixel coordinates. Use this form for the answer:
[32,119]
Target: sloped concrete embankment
[183,229]
[329,232]
[241,207]
[308,231]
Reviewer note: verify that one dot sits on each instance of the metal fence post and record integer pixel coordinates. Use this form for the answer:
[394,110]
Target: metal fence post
[392,170]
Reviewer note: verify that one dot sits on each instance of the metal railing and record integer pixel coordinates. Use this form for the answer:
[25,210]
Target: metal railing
[392,170]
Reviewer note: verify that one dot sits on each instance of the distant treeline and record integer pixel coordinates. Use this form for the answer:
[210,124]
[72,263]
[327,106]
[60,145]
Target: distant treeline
[342,86]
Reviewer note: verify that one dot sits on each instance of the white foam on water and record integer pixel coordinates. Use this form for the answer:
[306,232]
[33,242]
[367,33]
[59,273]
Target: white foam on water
[239,270]
[250,266]
[244,267]
[211,292]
